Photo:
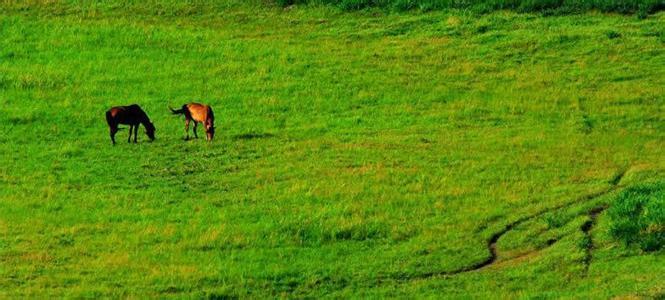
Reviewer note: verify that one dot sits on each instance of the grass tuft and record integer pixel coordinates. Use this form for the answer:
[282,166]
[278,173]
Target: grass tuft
[638,216]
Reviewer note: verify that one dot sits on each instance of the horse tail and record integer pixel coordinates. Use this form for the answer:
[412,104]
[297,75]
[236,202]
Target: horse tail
[177,111]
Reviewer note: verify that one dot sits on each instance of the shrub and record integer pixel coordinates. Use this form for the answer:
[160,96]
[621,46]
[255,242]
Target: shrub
[638,216]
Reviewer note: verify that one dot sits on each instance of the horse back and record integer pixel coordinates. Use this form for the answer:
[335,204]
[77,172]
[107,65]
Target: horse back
[200,112]
[128,115]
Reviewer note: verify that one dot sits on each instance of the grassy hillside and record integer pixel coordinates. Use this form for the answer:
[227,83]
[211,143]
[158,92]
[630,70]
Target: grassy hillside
[356,155]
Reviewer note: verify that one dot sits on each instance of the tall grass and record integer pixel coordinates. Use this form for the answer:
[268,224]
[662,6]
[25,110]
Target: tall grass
[200,7]
[638,217]
[621,6]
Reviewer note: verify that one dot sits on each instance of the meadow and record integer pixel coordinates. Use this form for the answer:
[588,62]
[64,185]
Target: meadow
[358,154]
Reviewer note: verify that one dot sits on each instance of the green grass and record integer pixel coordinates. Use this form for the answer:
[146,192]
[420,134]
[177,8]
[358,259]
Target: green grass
[355,153]
[548,6]
[638,217]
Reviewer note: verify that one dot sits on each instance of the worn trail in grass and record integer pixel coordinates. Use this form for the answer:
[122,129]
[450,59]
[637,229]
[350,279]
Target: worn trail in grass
[493,240]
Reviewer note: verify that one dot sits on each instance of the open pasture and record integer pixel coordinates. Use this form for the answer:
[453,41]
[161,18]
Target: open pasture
[356,154]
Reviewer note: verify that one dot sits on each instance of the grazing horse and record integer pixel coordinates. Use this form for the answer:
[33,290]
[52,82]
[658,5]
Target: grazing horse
[199,113]
[131,115]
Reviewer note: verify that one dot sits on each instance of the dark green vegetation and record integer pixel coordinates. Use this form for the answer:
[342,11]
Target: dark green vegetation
[356,154]
[638,216]
[550,6]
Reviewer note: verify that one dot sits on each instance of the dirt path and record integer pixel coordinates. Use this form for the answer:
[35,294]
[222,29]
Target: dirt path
[614,185]
[588,238]
[494,238]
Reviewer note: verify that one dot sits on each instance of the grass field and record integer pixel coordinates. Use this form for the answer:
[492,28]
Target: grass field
[357,154]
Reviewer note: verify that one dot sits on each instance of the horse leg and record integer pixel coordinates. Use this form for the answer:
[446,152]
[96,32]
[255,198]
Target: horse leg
[136,131]
[187,129]
[129,138]
[113,130]
[194,129]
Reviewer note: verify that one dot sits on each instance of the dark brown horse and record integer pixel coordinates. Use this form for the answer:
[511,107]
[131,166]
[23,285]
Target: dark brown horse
[131,115]
[199,113]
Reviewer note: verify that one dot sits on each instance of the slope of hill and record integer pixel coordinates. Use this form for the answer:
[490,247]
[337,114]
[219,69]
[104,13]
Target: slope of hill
[357,154]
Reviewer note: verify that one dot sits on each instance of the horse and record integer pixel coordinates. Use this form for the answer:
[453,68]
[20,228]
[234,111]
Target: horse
[131,115]
[199,113]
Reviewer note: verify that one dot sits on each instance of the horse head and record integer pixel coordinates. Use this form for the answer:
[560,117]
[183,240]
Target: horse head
[150,130]
[210,132]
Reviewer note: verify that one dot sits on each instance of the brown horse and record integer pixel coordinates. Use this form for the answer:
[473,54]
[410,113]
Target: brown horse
[199,113]
[131,115]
